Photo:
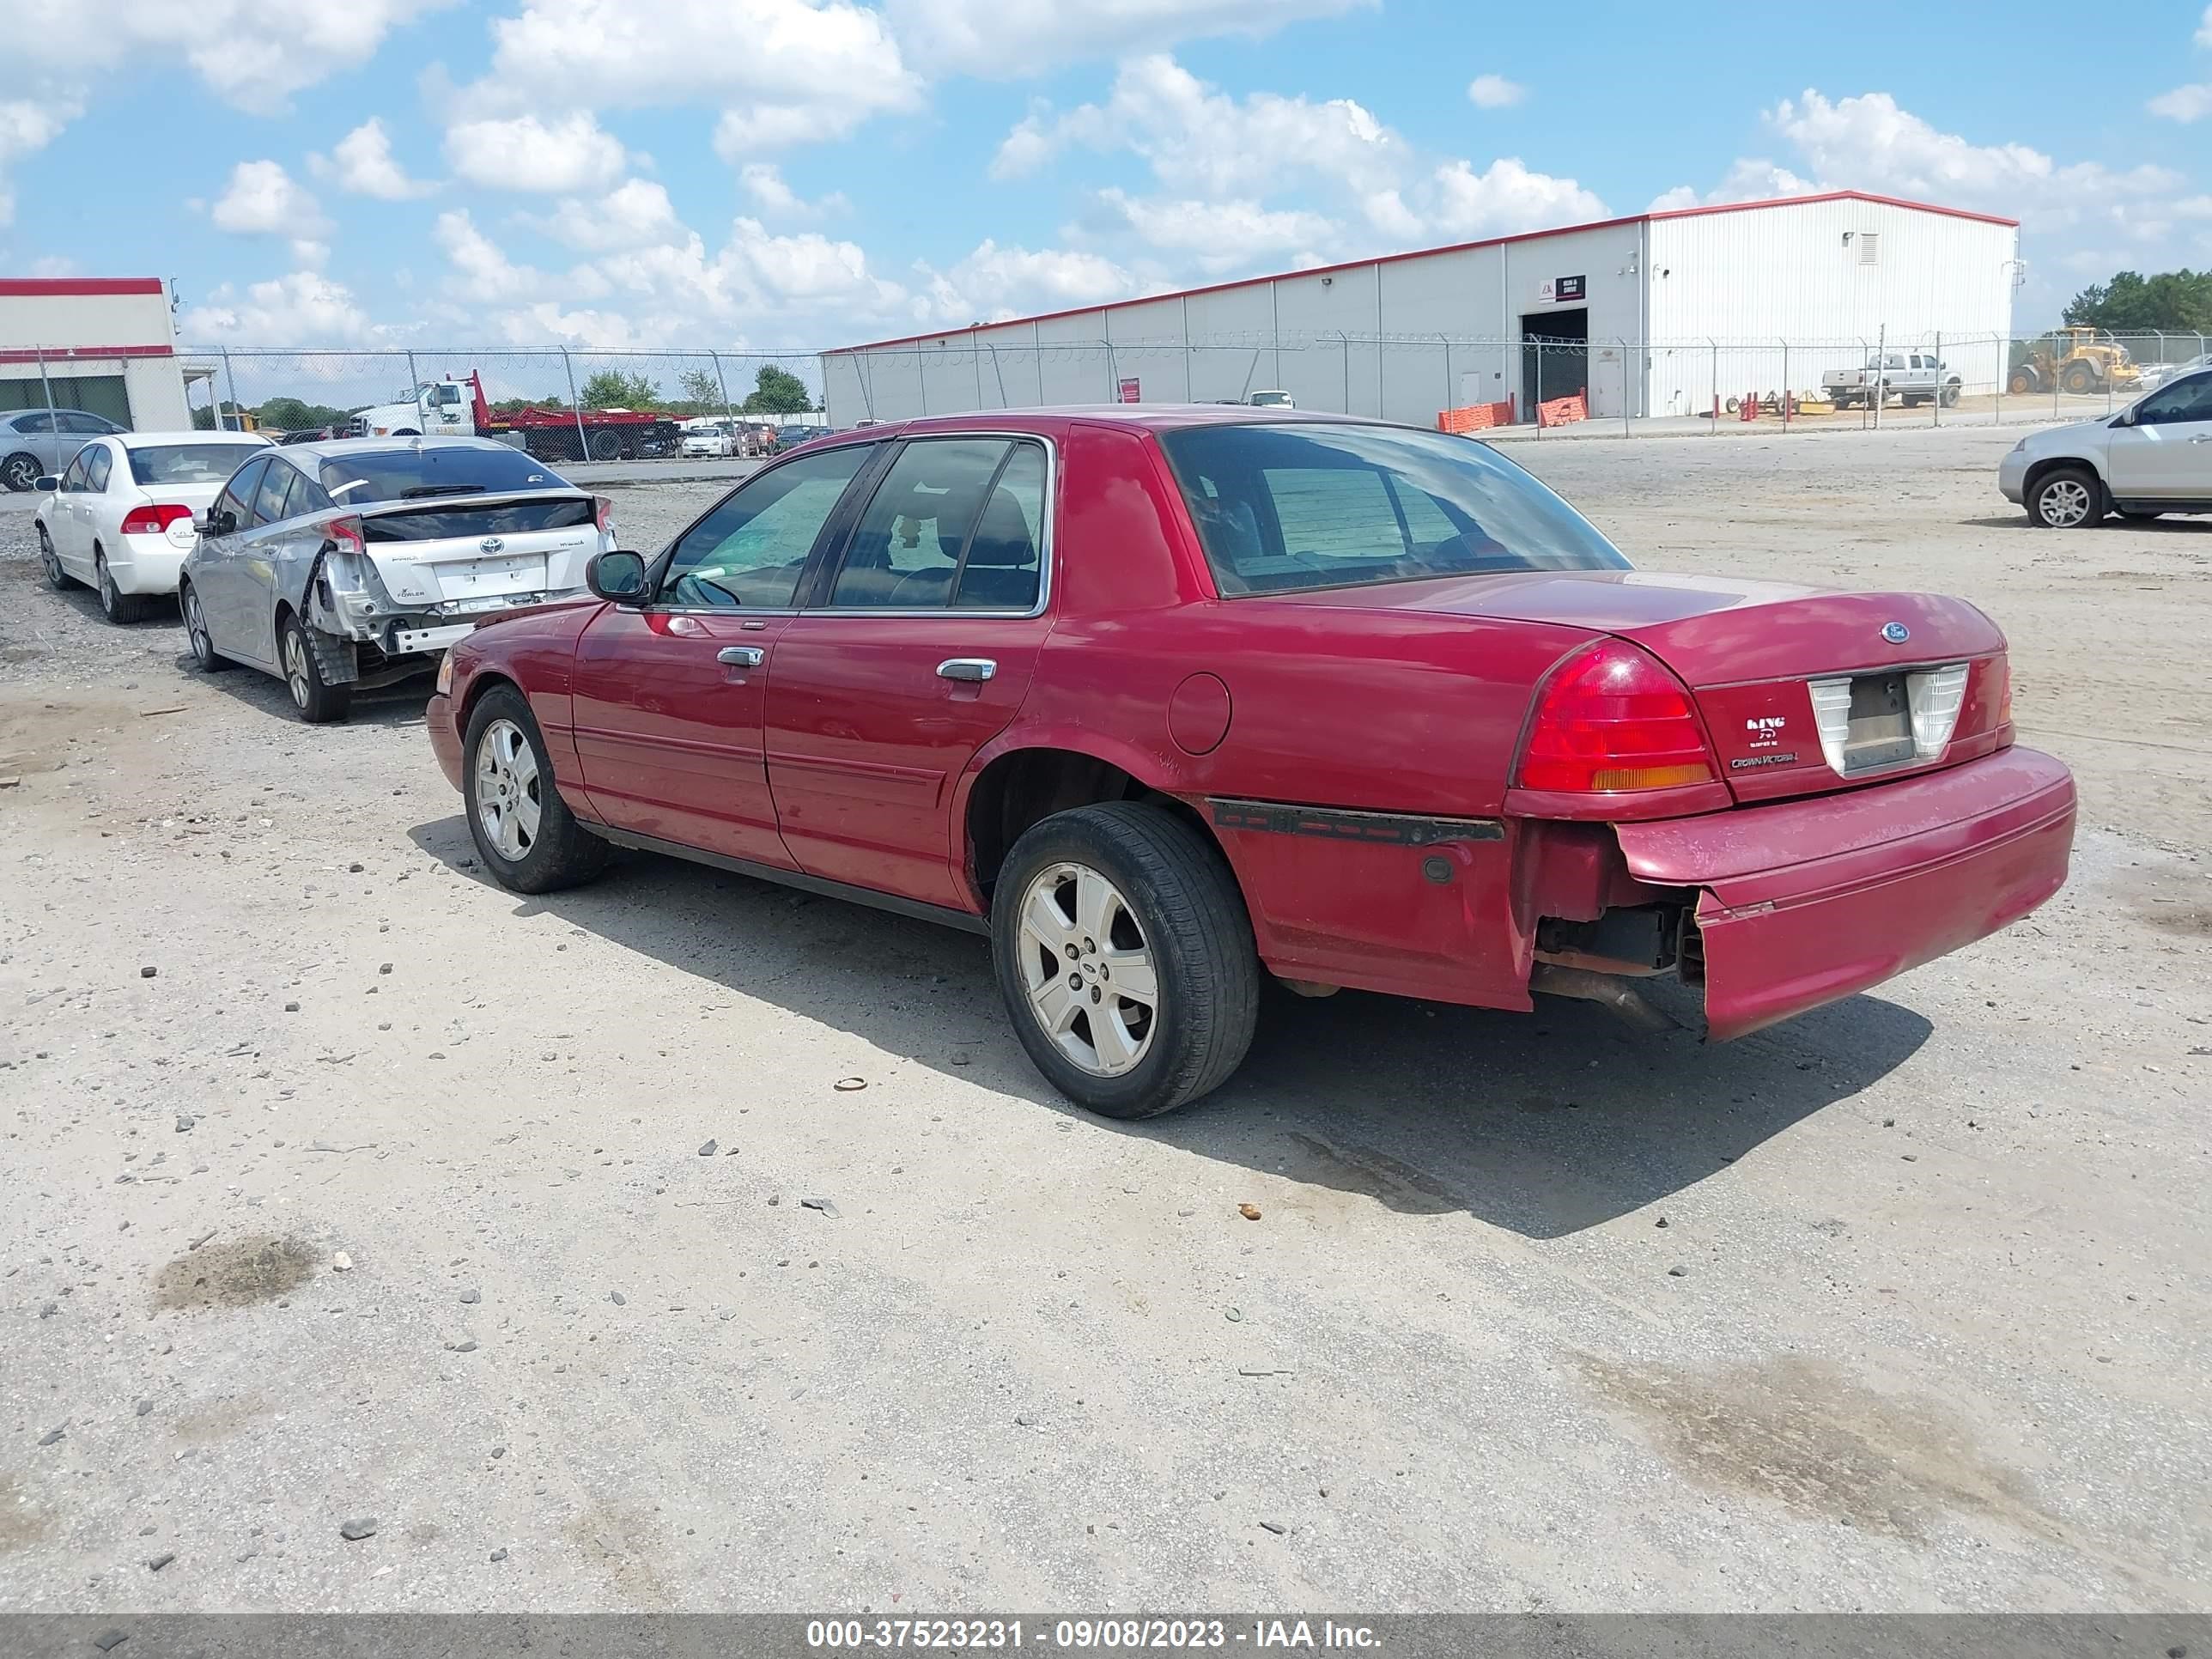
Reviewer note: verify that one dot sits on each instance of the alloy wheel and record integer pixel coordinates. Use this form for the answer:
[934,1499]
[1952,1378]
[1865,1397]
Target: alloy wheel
[510,803]
[21,474]
[1087,969]
[50,561]
[108,595]
[196,628]
[2065,503]
[295,667]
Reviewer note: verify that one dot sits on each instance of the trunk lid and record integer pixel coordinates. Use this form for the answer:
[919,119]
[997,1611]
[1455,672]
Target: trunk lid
[1801,690]
[460,549]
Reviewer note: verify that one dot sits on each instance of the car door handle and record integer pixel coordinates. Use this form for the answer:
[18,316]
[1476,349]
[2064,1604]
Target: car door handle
[966,668]
[2201,438]
[741,656]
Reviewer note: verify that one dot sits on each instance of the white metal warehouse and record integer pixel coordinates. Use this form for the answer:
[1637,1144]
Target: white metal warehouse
[1654,315]
[105,344]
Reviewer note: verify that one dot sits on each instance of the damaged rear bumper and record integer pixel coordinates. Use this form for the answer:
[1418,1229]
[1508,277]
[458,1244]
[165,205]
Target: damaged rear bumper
[1804,902]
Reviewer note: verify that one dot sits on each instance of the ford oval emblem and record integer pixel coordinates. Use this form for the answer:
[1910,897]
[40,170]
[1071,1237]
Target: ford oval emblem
[493,544]
[1895,633]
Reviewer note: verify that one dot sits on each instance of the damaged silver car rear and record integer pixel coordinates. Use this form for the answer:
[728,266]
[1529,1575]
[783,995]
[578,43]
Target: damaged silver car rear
[353,563]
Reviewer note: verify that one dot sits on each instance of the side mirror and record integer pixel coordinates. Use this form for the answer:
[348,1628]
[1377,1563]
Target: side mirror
[215,523]
[617,576]
[49,481]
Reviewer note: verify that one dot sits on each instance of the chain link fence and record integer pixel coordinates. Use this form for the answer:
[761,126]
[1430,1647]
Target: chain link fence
[567,404]
[1880,378]
[563,404]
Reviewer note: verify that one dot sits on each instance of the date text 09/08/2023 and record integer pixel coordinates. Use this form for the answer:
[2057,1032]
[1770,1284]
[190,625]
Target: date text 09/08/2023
[1106,1635]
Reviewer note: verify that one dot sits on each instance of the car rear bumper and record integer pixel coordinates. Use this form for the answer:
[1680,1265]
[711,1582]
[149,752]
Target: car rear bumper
[1805,902]
[149,565]
[444,735]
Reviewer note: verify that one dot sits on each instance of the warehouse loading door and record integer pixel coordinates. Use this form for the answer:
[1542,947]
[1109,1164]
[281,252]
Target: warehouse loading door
[1554,356]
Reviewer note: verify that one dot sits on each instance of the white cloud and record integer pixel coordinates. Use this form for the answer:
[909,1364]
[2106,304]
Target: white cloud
[486,272]
[2204,29]
[994,283]
[780,70]
[1495,91]
[1222,234]
[303,309]
[25,127]
[1751,180]
[574,154]
[252,54]
[264,200]
[1007,39]
[636,211]
[1197,138]
[362,163]
[764,183]
[1869,142]
[2183,104]
[1505,198]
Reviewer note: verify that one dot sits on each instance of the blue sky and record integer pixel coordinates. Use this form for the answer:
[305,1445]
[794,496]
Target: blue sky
[796,174]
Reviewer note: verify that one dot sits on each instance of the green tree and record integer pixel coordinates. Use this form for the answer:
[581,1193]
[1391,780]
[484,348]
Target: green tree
[2170,302]
[609,388]
[516,405]
[702,389]
[778,391]
[296,415]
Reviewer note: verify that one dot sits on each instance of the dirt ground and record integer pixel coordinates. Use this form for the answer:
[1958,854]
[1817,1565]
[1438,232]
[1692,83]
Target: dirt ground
[389,1197]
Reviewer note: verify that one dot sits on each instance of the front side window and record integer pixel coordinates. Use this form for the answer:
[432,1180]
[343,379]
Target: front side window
[230,509]
[954,525]
[752,548]
[73,476]
[2184,400]
[1281,508]
[98,464]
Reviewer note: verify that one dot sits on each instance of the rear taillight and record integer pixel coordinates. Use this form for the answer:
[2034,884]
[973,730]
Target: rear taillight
[603,514]
[2000,684]
[346,536]
[152,520]
[1612,719]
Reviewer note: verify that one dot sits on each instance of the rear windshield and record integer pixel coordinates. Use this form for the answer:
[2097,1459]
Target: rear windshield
[188,463]
[450,521]
[396,475]
[1279,508]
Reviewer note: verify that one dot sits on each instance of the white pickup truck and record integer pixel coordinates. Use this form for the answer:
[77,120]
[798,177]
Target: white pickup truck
[1912,377]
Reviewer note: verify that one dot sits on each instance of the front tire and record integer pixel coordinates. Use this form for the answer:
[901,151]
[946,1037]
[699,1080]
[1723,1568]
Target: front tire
[50,564]
[2077,379]
[1125,955]
[119,607]
[20,472]
[524,831]
[2067,498]
[205,658]
[315,699]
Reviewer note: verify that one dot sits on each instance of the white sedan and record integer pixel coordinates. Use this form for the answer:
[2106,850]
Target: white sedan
[121,516]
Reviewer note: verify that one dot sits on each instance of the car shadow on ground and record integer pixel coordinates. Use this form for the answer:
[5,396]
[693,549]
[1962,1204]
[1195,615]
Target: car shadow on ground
[399,705]
[2170,524]
[1545,1124]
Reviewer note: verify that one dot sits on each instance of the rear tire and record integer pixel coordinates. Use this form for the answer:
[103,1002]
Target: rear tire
[2077,379]
[1174,926]
[315,699]
[119,607]
[605,446]
[524,831]
[50,564]
[2067,498]
[205,658]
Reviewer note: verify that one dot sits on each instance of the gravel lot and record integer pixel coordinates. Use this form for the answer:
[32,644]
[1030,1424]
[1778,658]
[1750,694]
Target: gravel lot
[389,1197]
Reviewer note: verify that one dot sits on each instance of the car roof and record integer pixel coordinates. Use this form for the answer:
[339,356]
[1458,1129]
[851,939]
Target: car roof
[1149,417]
[338,447]
[163,440]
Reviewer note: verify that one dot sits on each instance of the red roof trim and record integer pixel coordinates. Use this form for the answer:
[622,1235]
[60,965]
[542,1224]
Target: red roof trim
[53,287]
[63,357]
[1426,252]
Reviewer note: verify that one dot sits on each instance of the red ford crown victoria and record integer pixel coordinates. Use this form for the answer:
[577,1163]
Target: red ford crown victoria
[1165,699]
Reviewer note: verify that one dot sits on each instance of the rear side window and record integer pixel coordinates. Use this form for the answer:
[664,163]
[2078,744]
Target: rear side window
[434,469]
[1282,508]
[185,463]
[953,526]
